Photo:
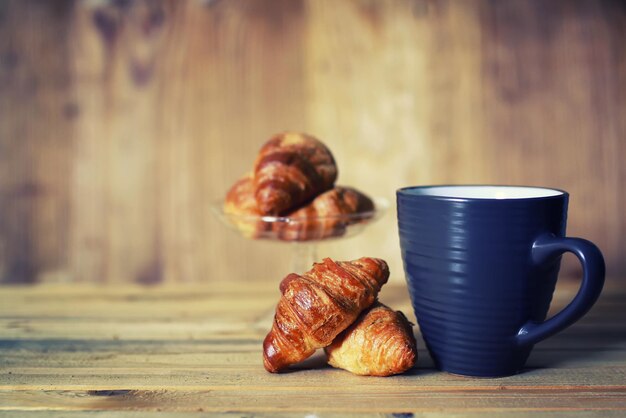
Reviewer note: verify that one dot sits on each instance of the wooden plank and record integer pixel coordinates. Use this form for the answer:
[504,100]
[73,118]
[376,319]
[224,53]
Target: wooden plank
[165,85]
[121,122]
[537,56]
[116,50]
[280,414]
[310,414]
[43,356]
[475,92]
[130,335]
[312,375]
[190,349]
[153,134]
[338,400]
[13,296]
[44,302]
[46,311]
[37,110]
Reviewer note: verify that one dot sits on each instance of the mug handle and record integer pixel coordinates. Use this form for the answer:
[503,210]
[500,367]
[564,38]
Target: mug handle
[547,247]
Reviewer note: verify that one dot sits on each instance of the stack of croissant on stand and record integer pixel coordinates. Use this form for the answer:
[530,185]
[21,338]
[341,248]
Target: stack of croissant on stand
[294,178]
[333,306]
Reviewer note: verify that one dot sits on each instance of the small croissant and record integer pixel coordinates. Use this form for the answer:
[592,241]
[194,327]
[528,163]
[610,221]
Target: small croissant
[291,168]
[240,205]
[379,343]
[327,215]
[317,305]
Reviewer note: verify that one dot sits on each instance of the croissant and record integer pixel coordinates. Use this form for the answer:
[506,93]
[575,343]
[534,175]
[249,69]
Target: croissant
[242,209]
[316,306]
[290,169]
[327,215]
[379,343]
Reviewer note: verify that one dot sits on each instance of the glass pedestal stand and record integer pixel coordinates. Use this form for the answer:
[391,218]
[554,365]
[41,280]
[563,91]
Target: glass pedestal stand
[302,234]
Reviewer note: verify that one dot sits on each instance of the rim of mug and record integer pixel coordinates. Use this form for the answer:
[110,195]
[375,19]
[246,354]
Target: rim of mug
[403,191]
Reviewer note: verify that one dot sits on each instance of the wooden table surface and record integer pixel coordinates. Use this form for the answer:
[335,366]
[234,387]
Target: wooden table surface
[83,350]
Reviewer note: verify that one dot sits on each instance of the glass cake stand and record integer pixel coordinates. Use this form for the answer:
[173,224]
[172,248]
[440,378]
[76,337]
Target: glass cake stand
[302,234]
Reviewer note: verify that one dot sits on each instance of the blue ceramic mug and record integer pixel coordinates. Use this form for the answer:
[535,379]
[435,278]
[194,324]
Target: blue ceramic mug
[481,264]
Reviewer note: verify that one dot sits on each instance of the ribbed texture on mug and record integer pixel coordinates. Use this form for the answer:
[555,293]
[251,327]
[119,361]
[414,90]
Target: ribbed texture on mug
[471,280]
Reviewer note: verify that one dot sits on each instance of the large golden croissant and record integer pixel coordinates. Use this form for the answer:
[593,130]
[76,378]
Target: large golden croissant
[327,215]
[241,207]
[379,343]
[290,169]
[316,306]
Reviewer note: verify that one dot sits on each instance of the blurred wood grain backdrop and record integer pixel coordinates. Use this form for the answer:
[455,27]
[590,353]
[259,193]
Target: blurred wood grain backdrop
[122,121]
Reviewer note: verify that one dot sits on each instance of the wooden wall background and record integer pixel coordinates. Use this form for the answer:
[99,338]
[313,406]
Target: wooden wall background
[122,121]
